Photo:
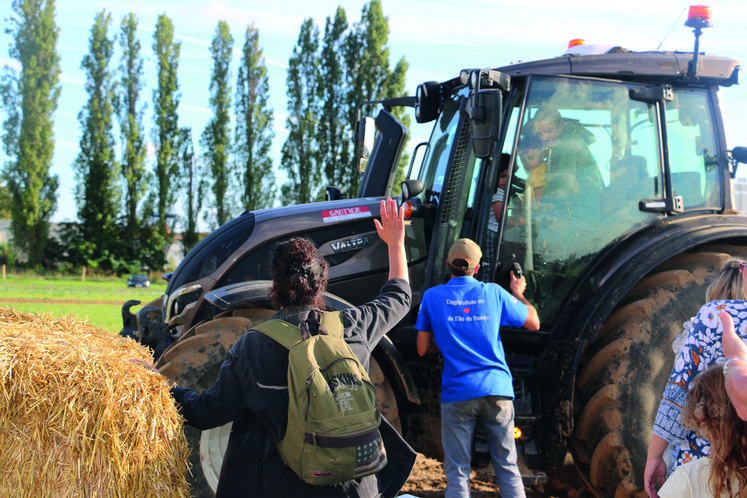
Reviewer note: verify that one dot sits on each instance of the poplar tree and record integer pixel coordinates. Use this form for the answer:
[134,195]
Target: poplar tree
[193,178]
[5,202]
[97,191]
[300,152]
[216,136]
[335,128]
[166,98]
[253,137]
[29,98]
[130,113]
[370,78]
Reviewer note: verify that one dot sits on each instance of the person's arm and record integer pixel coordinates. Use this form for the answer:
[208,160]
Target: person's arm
[426,343]
[216,406]
[655,472]
[391,230]
[736,372]
[518,286]
[498,197]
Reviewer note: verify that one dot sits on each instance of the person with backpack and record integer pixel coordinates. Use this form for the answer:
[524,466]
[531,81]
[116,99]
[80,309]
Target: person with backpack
[252,390]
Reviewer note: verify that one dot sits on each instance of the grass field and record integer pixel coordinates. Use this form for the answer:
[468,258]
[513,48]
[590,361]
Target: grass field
[98,300]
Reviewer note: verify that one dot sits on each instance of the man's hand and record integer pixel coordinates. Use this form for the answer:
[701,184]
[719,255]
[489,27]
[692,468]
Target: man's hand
[518,285]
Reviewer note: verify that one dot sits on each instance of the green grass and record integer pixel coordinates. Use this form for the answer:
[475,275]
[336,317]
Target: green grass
[98,300]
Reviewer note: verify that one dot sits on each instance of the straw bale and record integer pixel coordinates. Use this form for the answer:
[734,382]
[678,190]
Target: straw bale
[79,418]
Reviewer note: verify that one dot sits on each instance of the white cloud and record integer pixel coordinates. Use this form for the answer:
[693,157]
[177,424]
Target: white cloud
[204,110]
[11,63]
[73,80]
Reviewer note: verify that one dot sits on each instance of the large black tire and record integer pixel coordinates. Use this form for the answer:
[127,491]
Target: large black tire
[624,371]
[194,361]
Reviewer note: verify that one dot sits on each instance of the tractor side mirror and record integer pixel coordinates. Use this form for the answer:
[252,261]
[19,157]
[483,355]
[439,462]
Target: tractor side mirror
[427,101]
[410,188]
[738,155]
[484,110]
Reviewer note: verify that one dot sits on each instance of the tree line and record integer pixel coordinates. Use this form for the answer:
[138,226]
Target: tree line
[124,196]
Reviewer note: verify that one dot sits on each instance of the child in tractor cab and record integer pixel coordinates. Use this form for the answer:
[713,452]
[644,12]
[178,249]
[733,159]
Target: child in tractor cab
[496,205]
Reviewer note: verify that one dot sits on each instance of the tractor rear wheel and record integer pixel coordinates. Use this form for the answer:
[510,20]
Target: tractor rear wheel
[624,371]
[194,362]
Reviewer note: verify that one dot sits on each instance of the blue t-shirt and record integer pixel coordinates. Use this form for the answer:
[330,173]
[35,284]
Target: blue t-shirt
[465,316]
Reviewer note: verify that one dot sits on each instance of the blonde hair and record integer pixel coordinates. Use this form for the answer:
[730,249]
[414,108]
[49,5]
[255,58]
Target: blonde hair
[709,413]
[728,283]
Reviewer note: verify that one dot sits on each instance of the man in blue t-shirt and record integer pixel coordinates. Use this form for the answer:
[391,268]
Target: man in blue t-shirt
[462,319]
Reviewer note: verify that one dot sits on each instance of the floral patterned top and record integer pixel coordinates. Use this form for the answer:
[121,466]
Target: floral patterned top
[702,349]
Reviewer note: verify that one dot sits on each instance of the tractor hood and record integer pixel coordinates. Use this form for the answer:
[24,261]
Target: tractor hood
[336,227]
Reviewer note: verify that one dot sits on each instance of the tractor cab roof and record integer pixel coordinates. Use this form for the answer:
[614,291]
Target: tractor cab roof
[619,63]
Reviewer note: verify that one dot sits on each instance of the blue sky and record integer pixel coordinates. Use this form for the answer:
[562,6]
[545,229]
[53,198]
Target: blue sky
[437,37]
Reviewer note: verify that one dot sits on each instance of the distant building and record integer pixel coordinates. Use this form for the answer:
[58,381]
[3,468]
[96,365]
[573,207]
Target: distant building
[175,252]
[4,231]
[740,195]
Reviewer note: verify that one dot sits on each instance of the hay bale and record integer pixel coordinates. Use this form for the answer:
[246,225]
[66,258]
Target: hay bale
[79,418]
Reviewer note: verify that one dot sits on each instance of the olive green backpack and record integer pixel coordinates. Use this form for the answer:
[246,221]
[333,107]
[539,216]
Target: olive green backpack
[333,424]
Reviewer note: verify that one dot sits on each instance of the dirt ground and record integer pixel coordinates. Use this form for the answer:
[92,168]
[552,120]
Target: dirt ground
[427,480]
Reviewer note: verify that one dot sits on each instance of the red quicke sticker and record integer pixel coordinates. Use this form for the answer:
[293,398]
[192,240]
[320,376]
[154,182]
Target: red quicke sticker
[345,214]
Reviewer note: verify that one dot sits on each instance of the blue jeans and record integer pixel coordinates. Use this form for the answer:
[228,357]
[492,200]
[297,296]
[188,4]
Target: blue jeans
[458,421]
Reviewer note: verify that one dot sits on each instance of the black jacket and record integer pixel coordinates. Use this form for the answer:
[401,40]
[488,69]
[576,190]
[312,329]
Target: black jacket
[252,391]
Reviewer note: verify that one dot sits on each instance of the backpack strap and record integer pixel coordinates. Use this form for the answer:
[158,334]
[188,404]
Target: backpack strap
[280,331]
[289,335]
[332,321]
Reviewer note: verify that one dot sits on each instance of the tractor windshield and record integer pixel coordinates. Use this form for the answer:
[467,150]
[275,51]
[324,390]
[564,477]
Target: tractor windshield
[584,155]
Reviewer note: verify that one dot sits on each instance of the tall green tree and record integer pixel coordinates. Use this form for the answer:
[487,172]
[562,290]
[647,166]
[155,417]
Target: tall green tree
[216,138]
[253,137]
[193,179]
[335,130]
[97,190]
[300,154]
[370,77]
[166,98]
[130,113]
[5,203]
[29,98]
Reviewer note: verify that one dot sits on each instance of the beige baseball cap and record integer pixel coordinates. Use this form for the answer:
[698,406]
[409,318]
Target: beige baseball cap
[464,254]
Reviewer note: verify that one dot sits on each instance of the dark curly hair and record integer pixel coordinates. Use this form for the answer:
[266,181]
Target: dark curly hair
[299,274]
[709,412]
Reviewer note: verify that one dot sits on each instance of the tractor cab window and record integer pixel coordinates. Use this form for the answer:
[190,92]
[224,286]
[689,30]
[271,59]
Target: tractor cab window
[584,154]
[691,143]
